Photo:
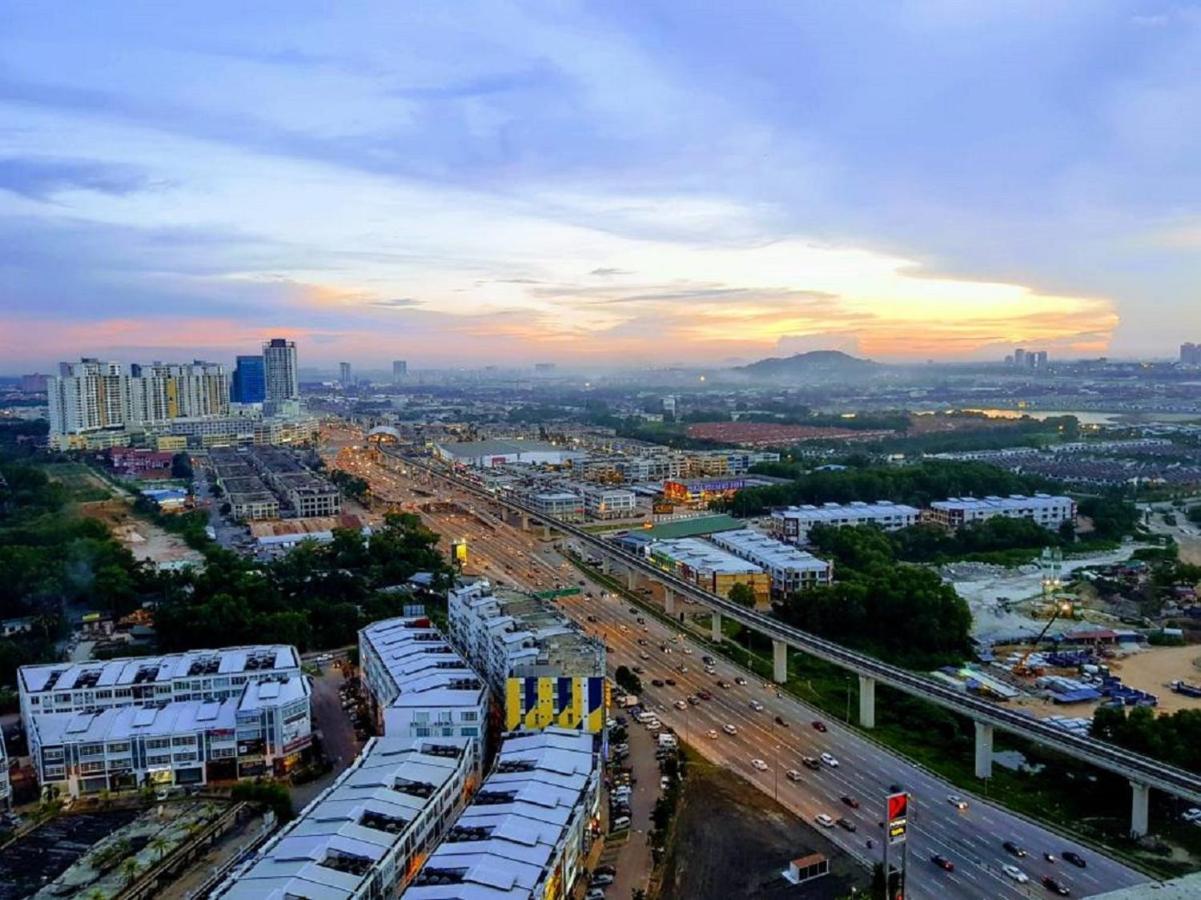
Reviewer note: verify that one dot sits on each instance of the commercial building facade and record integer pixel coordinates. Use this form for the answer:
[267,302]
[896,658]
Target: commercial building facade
[545,668]
[186,718]
[610,503]
[417,685]
[1048,511]
[528,829]
[562,505]
[487,454]
[299,489]
[249,382]
[367,834]
[710,567]
[792,524]
[790,569]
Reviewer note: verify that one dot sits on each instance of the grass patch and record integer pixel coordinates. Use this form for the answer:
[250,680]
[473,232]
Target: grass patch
[81,483]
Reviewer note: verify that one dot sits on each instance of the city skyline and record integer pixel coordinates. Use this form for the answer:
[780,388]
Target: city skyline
[599,187]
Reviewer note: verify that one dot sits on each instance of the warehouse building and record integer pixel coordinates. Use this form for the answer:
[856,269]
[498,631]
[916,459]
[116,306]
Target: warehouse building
[1048,511]
[792,524]
[710,567]
[366,835]
[528,830]
[790,569]
[486,454]
[417,685]
[547,670]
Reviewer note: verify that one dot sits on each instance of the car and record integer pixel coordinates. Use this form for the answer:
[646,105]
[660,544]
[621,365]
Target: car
[681,704]
[641,642]
[811,762]
[710,670]
[688,651]
[638,670]
[956,801]
[693,700]
[729,729]
[823,820]
[641,621]
[657,682]
[847,824]
[724,685]
[896,788]
[711,733]
[600,880]
[604,870]
[1056,887]
[1049,857]
[1011,847]
[829,760]
[792,775]
[682,669]
[707,660]
[1191,815]
[592,619]
[664,783]
[850,801]
[819,726]
[740,680]
[756,706]
[943,863]
[633,611]
[644,656]
[595,894]
[780,721]
[759,764]
[1074,858]
[1015,873]
[620,823]
[670,682]
[704,694]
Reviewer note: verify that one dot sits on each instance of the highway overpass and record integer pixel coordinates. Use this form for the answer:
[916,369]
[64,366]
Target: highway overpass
[1142,772]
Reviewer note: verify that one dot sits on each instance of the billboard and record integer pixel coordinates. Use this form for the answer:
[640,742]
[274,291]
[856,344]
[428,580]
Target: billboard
[896,822]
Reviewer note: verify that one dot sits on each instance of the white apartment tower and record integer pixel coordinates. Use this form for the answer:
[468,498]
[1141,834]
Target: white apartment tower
[279,369]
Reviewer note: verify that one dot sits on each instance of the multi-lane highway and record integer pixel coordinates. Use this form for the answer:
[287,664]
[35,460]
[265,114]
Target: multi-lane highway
[971,839]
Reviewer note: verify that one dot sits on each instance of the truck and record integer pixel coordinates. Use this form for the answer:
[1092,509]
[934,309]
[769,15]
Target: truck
[1188,690]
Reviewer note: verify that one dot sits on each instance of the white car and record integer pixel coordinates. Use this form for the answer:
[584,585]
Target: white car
[711,734]
[756,706]
[729,729]
[829,760]
[710,670]
[681,704]
[793,775]
[759,764]
[688,650]
[1015,873]
[956,801]
[1192,815]
[823,820]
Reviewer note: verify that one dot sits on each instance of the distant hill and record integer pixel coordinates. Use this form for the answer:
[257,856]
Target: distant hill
[816,365]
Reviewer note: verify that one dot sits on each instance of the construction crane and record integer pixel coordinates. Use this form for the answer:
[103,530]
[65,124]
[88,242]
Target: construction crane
[1060,608]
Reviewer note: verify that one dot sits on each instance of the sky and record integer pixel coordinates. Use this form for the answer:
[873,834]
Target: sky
[632,182]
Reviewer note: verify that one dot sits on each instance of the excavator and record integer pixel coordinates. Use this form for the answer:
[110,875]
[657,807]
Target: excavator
[1060,608]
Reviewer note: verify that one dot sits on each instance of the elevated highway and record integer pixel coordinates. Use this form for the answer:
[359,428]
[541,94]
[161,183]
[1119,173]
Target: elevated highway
[1142,772]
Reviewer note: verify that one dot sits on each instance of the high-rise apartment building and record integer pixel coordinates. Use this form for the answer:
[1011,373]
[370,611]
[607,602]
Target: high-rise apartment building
[400,369]
[344,374]
[249,383]
[1019,358]
[94,403]
[281,379]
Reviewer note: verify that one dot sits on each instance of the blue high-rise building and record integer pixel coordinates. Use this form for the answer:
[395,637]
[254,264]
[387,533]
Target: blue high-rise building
[249,384]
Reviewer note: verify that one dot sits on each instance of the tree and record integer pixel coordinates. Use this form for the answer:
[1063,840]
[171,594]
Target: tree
[130,869]
[160,845]
[743,594]
[627,680]
[181,466]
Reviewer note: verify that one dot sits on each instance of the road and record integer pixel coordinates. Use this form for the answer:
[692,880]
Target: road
[971,838]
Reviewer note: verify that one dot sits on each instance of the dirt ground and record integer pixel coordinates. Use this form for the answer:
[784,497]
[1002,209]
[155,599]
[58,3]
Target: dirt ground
[748,840]
[1152,670]
[145,540]
[1190,549]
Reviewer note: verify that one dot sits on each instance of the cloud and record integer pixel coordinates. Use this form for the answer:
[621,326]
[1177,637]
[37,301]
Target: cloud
[608,272]
[399,303]
[41,178]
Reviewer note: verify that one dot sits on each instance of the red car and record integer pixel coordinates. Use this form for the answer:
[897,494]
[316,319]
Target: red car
[704,695]
[943,863]
[819,726]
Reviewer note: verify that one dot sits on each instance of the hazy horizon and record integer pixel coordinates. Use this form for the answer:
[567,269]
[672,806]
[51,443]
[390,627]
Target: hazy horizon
[599,186]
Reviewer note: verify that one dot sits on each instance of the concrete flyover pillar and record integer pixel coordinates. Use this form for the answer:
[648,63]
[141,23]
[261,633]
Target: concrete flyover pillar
[716,634]
[631,579]
[779,662]
[1140,795]
[867,701]
[983,750]
[669,601]
[525,522]
[604,565]
[545,532]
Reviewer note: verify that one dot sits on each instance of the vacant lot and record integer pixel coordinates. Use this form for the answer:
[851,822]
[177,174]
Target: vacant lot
[731,840]
[1153,669]
[83,484]
[144,539]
